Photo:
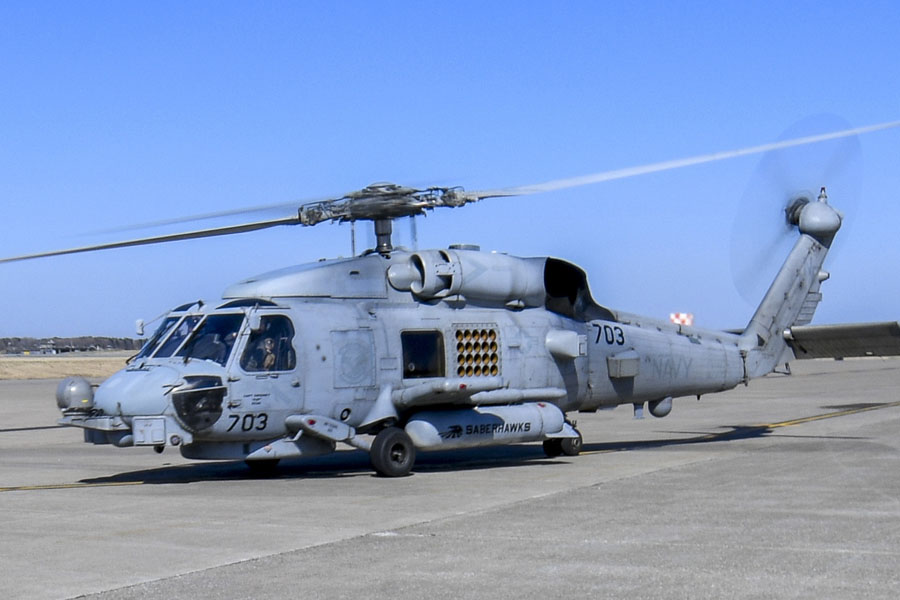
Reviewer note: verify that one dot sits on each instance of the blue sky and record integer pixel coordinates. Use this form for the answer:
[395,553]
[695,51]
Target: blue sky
[119,113]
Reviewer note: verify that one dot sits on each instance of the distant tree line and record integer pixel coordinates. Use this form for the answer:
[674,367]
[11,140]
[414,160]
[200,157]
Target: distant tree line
[58,345]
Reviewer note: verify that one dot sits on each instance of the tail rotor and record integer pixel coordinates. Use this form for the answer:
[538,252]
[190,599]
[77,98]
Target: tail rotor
[786,180]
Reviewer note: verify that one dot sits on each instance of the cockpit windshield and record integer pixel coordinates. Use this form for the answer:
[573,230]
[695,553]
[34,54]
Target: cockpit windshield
[161,332]
[214,339]
[181,332]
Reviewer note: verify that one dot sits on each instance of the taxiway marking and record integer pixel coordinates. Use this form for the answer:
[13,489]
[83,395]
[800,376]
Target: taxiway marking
[791,423]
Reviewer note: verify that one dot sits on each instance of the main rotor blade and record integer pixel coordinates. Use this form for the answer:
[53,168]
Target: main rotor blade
[562,184]
[159,239]
[213,215]
[458,197]
[385,201]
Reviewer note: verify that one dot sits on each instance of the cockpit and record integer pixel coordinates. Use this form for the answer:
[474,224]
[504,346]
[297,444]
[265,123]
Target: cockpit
[212,336]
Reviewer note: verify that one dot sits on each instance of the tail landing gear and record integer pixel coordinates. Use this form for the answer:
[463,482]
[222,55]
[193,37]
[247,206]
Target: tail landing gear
[568,446]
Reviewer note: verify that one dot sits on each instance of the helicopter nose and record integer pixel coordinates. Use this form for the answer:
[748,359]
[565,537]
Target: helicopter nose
[136,392]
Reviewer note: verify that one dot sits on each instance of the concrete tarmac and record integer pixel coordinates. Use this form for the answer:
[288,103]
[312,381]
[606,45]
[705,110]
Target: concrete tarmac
[789,488]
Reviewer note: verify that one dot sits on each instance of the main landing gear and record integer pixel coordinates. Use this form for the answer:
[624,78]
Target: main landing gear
[393,453]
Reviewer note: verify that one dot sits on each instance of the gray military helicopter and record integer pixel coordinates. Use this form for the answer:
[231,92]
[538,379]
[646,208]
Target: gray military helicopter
[395,351]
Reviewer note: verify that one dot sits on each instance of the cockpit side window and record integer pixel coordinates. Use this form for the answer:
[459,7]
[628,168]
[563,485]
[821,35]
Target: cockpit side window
[270,348]
[157,337]
[180,333]
[214,339]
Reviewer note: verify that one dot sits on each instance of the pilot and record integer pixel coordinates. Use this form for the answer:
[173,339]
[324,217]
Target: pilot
[229,340]
[211,347]
[268,359]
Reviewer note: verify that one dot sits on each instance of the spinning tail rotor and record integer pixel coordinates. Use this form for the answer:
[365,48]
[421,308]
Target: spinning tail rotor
[786,179]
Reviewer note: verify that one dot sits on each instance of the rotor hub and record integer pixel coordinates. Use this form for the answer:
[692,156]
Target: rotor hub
[382,201]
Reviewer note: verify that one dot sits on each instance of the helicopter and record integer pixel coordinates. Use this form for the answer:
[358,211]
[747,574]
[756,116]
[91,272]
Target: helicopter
[396,351]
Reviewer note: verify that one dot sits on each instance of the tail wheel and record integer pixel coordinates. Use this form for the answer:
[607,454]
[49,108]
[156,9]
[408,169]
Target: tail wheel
[568,446]
[572,446]
[393,453]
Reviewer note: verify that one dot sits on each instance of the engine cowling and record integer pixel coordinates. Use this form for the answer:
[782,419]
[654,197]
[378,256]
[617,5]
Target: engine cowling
[474,275]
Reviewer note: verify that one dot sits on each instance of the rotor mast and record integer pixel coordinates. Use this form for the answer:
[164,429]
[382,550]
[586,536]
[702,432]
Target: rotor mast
[383,231]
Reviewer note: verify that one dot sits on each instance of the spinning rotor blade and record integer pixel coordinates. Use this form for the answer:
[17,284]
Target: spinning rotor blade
[159,239]
[761,234]
[411,201]
[668,165]
[292,206]
[385,201]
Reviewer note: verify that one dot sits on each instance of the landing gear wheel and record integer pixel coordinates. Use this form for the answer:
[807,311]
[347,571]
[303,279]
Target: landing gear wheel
[264,468]
[571,446]
[553,447]
[393,453]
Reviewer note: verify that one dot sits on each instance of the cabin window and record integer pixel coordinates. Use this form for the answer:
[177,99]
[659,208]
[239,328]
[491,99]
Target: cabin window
[423,354]
[214,339]
[270,348]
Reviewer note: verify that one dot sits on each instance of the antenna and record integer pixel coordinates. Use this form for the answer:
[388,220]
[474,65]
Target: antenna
[413,233]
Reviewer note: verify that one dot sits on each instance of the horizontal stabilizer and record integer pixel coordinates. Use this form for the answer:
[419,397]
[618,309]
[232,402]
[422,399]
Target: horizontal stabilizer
[845,341]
